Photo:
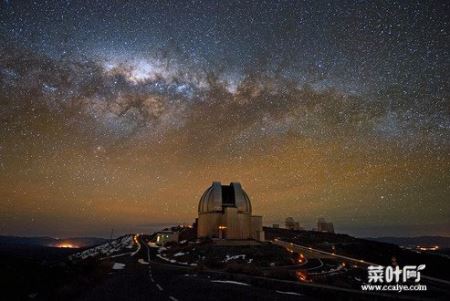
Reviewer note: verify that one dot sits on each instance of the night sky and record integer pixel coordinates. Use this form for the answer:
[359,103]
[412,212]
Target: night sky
[119,114]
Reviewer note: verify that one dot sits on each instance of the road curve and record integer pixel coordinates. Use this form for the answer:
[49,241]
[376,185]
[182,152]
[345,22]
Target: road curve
[145,278]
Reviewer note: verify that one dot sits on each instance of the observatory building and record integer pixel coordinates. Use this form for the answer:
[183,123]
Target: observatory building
[225,212]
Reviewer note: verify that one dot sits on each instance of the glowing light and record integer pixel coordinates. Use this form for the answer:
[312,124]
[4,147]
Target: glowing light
[427,248]
[302,276]
[67,246]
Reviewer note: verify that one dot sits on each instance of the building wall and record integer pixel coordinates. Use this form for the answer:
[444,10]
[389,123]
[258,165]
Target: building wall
[230,220]
[238,225]
[208,224]
[245,225]
[256,228]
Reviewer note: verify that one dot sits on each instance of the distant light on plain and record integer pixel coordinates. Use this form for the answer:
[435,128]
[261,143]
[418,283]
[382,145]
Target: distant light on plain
[67,246]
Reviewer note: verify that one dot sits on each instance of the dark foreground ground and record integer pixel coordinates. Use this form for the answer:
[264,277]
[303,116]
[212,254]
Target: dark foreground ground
[46,274]
[37,273]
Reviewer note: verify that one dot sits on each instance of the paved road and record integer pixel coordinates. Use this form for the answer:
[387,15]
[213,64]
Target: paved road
[299,248]
[158,281]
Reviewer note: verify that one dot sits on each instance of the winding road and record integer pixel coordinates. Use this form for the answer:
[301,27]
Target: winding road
[145,278]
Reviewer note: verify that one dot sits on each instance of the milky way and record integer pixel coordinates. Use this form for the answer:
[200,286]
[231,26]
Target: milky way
[119,115]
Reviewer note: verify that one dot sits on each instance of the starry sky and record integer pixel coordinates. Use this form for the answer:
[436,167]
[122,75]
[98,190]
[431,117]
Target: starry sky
[119,114]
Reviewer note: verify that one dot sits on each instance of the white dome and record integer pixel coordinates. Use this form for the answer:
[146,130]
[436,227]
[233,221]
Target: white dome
[218,196]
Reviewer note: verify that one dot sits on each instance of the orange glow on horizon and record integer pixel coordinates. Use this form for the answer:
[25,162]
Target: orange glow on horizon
[67,246]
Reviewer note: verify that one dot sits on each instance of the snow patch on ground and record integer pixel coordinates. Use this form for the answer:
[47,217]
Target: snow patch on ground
[230,282]
[161,256]
[235,257]
[152,245]
[289,293]
[118,266]
[142,261]
[107,249]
